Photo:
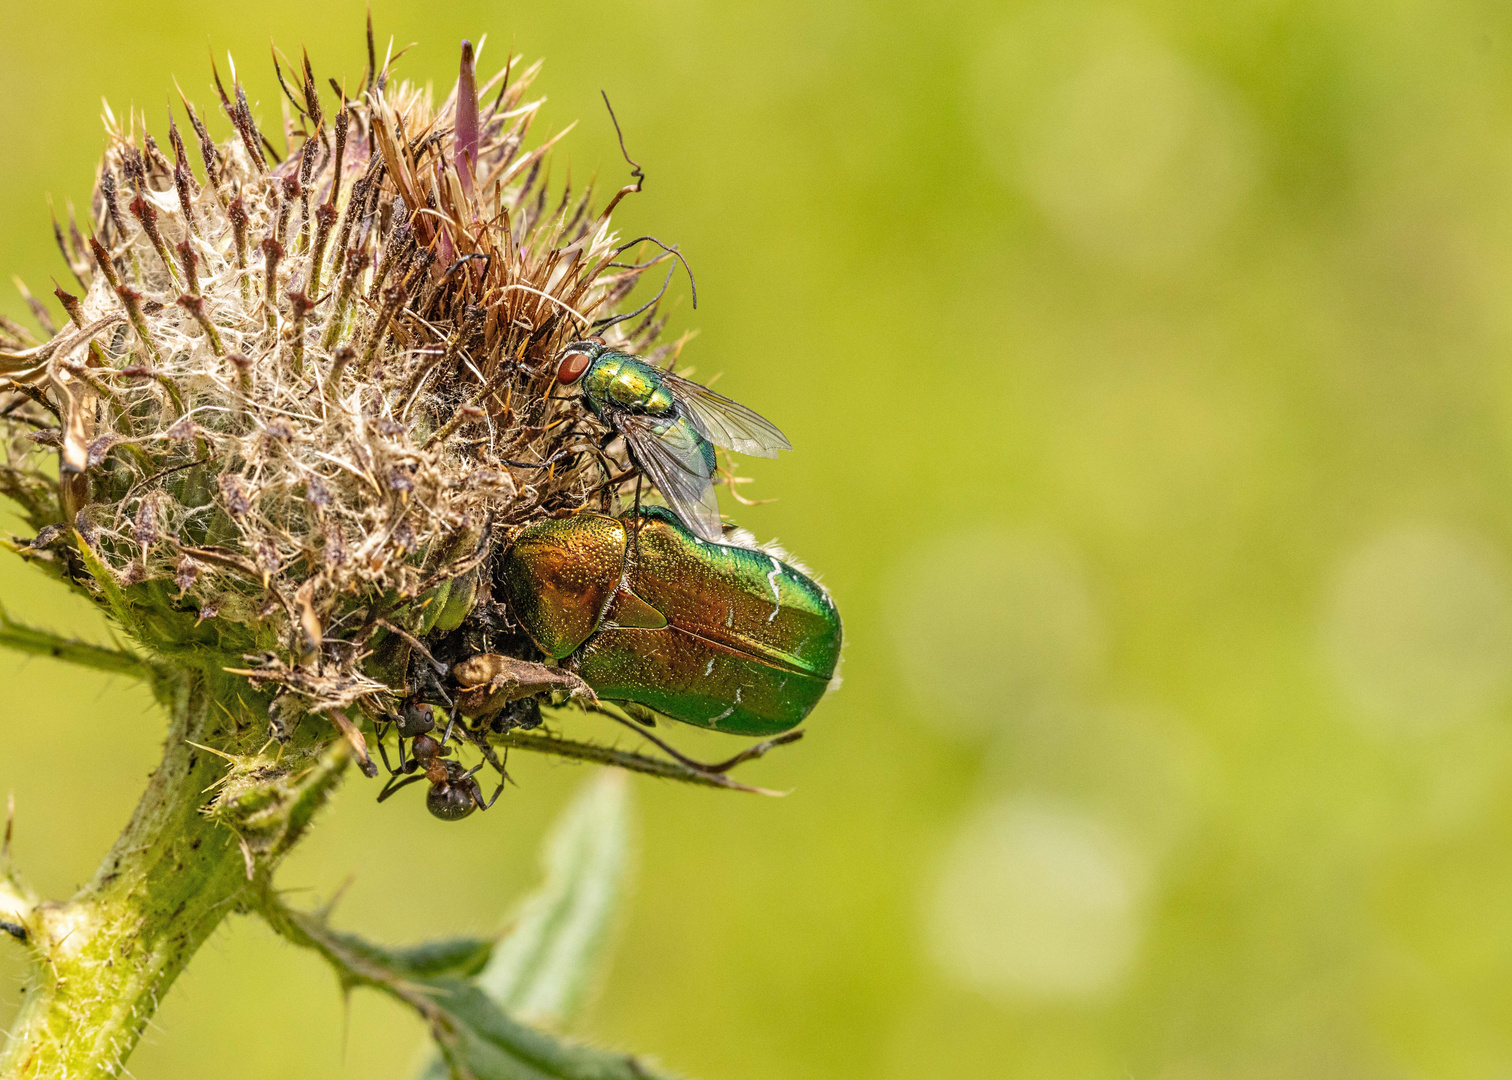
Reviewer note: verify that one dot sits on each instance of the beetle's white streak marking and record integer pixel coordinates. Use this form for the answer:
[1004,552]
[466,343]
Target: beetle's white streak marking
[776,596]
[709,667]
[715,722]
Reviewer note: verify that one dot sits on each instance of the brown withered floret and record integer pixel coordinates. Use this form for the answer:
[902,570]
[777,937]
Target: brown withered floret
[307,393]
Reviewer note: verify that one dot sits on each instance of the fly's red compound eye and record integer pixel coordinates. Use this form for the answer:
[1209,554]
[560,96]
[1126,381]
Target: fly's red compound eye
[571,369]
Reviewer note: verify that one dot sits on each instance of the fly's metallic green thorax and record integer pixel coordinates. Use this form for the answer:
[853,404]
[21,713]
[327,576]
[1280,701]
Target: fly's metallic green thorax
[670,426]
[625,382]
[716,635]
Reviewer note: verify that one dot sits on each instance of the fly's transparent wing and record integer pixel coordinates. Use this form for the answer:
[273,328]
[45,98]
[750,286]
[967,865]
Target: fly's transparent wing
[724,422]
[677,460]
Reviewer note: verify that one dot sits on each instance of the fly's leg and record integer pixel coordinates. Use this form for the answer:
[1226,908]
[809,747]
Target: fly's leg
[635,535]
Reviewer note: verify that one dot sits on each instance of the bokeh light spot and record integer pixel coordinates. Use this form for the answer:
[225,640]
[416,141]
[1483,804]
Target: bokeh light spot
[1155,444]
[1418,629]
[1038,900]
[990,625]
[1141,766]
[1128,150]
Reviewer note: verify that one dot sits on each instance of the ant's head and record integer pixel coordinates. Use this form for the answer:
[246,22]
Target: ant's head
[415,718]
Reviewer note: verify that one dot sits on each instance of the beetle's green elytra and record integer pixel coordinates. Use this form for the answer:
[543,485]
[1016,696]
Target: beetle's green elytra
[716,635]
[561,575]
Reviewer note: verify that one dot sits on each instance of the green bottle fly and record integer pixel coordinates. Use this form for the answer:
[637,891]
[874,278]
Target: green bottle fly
[670,425]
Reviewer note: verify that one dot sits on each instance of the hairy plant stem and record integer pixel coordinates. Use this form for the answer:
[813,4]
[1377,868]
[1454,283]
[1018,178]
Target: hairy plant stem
[27,639]
[105,958]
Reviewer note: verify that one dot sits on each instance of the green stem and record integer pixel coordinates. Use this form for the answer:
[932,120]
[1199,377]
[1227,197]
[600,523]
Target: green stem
[105,958]
[29,639]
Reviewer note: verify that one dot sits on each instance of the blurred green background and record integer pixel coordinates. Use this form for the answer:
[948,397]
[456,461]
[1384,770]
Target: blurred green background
[1150,370]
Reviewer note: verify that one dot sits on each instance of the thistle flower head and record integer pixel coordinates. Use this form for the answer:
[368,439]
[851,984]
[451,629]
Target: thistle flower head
[304,397]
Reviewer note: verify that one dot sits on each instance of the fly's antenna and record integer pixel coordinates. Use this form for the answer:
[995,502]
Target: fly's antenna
[610,320]
[635,169]
[670,249]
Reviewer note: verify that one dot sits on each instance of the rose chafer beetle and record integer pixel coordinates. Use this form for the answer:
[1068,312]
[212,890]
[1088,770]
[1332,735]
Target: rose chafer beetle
[719,636]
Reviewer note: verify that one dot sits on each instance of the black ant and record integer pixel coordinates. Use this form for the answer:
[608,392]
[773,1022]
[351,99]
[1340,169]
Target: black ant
[454,792]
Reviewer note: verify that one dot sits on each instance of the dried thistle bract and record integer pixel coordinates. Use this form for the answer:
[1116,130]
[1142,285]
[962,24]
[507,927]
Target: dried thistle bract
[304,397]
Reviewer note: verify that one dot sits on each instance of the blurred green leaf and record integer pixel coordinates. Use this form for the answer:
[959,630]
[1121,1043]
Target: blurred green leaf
[458,958]
[466,989]
[544,967]
[487,1045]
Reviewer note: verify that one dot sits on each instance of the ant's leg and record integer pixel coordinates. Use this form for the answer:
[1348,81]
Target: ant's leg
[487,751]
[503,779]
[395,784]
[477,794]
[384,755]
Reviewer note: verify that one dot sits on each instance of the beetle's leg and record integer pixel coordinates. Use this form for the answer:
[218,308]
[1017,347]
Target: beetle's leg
[713,769]
[751,753]
[395,784]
